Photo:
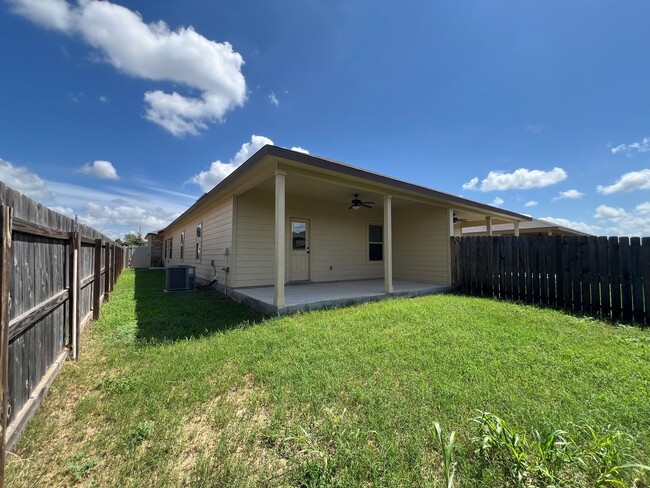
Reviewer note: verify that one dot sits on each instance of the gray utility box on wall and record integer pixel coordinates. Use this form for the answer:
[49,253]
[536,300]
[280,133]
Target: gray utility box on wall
[179,278]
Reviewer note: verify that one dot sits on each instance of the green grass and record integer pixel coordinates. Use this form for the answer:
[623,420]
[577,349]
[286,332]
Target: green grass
[190,389]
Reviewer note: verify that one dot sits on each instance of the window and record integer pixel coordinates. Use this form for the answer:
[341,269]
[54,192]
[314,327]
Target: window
[165,249]
[182,244]
[199,239]
[168,248]
[298,236]
[375,242]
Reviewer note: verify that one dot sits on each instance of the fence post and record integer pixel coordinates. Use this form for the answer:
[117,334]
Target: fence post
[98,278]
[112,275]
[107,261]
[75,290]
[6,220]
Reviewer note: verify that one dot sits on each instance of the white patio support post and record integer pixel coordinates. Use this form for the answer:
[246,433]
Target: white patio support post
[280,206]
[452,227]
[517,229]
[488,225]
[388,244]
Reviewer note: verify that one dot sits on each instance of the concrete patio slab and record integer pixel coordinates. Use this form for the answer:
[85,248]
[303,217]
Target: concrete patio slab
[314,296]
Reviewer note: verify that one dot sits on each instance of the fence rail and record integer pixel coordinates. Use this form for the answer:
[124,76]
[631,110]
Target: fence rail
[608,277]
[54,274]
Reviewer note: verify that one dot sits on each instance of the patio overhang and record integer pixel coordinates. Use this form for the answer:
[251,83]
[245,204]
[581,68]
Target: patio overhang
[322,196]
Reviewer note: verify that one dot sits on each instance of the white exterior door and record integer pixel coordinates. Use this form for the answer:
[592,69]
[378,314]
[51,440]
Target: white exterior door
[298,250]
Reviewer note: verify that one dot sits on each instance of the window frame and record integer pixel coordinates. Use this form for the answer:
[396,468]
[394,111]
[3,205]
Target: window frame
[182,245]
[198,246]
[171,247]
[369,242]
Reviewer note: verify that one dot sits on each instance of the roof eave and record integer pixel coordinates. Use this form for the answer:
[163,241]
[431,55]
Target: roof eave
[346,169]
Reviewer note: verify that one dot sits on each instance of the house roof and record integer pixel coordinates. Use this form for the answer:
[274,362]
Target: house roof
[535,225]
[153,233]
[312,161]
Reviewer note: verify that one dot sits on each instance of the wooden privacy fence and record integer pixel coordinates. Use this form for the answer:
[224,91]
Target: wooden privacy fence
[607,277]
[54,274]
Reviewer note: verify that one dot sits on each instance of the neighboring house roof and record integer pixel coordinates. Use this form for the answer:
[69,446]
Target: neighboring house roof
[153,233]
[318,162]
[532,227]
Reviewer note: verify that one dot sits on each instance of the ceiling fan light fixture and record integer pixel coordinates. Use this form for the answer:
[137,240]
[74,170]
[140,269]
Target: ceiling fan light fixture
[357,203]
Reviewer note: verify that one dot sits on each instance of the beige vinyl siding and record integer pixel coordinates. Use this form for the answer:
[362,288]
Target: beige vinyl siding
[217,236]
[421,244]
[339,238]
[254,240]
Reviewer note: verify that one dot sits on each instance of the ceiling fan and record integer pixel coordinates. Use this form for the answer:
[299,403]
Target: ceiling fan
[456,219]
[357,204]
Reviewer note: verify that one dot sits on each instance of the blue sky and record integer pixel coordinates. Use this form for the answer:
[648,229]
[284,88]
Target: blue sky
[500,101]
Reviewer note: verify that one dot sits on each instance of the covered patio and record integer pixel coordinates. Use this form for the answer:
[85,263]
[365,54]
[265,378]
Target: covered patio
[318,234]
[315,296]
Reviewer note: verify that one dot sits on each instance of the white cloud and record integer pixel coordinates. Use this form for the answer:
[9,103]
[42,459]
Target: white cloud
[643,208]
[208,179]
[218,170]
[609,213]
[250,148]
[21,179]
[569,194]
[635,222]
[100,169]
[471,184]
[634,180]
[274,99]
[531,203]
[572,224]
[643,146]
[126,215]
[51,14]
[299,149]
[103,99]
[153,52]
[64,210]
[497,202]
[520,179]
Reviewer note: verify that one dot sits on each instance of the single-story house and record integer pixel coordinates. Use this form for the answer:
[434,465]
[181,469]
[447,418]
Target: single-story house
[286,218]
[536,227]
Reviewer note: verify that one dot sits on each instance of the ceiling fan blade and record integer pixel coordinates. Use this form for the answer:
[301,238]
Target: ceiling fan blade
[364,205]
[350,207]
[370,203]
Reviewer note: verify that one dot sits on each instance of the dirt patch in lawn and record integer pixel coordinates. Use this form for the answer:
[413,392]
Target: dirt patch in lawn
[223,440]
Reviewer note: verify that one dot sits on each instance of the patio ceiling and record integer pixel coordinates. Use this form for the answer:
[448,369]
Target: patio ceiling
[341,192]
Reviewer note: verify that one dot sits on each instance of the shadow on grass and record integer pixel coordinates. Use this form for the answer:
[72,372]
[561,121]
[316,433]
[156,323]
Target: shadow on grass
[171,316]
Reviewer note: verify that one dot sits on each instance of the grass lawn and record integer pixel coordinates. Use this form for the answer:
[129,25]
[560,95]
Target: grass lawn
[191,389]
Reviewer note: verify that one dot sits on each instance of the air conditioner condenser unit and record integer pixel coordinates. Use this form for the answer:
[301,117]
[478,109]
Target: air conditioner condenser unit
[178,278]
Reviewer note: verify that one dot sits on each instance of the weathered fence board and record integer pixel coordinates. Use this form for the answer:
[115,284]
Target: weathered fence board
[46,297]
[626,281]
[600,276]
[6,218]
